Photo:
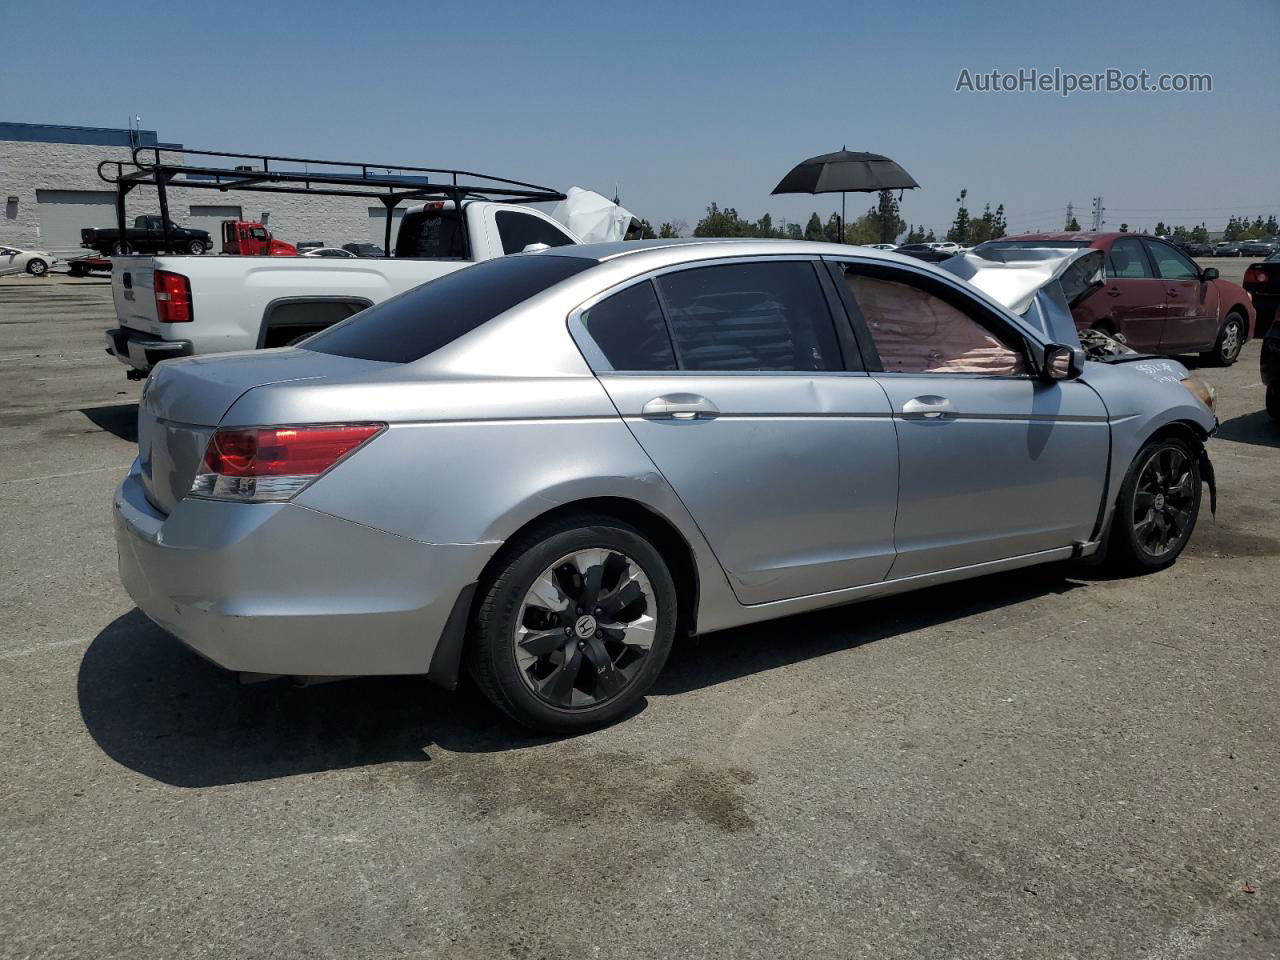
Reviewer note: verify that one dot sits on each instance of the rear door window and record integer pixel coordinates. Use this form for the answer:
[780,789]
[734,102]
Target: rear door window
[518,230]
[1127,261]
[764,316]
[422,320]
[629,330]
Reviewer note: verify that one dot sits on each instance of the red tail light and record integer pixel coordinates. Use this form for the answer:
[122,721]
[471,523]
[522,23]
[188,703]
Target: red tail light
[173,297]
[274,463]
[1255,275]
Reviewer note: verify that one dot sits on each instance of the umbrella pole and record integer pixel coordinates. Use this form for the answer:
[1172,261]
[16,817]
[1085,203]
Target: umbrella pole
[842,196]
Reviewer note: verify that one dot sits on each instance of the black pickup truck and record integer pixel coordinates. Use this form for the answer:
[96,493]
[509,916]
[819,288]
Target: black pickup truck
[145,236]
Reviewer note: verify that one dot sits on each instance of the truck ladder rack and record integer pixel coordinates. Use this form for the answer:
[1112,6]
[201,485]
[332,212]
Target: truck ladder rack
[388,184]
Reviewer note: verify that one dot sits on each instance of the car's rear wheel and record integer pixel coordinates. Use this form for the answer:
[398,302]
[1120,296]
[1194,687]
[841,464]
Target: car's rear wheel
[37,267]
[1230,342]
[1158,506]
[574,625]
[121,249]
[196,247]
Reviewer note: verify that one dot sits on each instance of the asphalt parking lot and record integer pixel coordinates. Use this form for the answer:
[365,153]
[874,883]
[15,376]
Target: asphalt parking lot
[1041,764]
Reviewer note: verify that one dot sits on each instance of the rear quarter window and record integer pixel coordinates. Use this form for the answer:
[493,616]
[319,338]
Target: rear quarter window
[420,321]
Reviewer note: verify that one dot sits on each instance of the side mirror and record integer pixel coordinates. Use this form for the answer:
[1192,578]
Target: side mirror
[1209,273]
[1059,363]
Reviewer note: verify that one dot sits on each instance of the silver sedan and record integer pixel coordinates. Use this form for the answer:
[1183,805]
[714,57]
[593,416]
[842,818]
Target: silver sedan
[547,467]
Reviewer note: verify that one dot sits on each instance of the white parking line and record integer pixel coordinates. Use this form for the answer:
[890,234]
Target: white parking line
[59,476]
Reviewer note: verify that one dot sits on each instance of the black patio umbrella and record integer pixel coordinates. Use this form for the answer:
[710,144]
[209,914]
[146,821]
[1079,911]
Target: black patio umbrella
[846,171]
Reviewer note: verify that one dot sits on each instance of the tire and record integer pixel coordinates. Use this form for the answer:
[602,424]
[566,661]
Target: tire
[121,248]
[1230,342]
[37,267]
[1161,492]
[1273,402]
[76,270]
[536,649]
[195,247]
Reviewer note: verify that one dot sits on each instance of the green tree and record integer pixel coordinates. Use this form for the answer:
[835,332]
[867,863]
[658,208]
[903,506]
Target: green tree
[831,230]
[1124,228]
[813,229]
[1161,229]
[1073,225]
[667,232]
[723,223]
[888,220]
[647,231]
[914,235]
[795,231]
[960,227]
[1199,234]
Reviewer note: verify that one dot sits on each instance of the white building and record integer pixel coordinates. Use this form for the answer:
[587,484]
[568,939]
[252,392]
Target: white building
[50,189]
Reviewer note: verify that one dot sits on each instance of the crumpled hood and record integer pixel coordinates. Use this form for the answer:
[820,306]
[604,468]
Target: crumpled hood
[1041,285]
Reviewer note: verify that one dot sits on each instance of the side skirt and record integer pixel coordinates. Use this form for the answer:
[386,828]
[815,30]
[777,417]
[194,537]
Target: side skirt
[818,601]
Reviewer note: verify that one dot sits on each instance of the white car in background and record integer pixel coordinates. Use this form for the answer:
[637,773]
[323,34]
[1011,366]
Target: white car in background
[880,246]
[34,262]
[336,252]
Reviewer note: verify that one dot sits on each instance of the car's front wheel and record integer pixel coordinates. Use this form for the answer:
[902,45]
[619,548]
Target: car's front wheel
[37,267]
[574,625]
[1230,342]
[196,247]
[1158,506]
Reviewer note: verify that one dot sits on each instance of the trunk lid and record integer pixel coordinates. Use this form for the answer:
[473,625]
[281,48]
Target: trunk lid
[184,401]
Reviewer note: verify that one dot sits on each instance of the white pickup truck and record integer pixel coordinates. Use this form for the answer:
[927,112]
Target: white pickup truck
[178,306]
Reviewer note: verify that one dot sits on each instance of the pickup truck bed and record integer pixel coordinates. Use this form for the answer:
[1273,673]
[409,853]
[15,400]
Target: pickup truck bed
[248,303]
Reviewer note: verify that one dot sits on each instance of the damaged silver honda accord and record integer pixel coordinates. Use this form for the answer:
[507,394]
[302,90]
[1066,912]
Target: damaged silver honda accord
[545,467]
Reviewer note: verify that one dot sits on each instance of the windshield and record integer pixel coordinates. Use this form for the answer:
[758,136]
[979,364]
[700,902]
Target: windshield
[424,319]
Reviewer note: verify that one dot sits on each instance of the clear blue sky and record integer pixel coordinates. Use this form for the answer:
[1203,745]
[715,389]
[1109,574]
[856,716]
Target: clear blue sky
[685,103]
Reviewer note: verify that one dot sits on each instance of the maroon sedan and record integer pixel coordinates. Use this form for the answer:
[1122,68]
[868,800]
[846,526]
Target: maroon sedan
[1155,295]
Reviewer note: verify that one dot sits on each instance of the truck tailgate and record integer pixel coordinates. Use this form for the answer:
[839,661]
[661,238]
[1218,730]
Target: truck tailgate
[133,293]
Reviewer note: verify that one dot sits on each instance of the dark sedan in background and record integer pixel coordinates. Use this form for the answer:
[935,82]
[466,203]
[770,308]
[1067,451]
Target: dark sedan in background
[925,252]
[1155,296]
[1262,281]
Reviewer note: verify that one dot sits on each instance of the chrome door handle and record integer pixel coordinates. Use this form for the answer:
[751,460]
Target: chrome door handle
[928,408]
[680,406]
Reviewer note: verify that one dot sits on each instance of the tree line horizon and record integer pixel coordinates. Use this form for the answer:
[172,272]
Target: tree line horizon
[883,223]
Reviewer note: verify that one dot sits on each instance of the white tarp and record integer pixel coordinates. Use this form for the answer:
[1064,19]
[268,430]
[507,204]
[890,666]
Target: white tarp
[591,217]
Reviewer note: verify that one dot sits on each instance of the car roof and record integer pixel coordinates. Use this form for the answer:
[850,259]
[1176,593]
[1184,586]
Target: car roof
[657,253]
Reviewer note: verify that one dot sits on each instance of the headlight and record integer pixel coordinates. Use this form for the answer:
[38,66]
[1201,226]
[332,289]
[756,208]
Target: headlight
[1203,391]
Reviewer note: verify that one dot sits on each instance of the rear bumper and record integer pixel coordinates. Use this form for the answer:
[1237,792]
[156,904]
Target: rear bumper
[1269,362]
[142,351]
[281,589]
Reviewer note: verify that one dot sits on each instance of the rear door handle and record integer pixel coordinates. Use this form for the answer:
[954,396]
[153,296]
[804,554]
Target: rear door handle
[680,406]
[928,408]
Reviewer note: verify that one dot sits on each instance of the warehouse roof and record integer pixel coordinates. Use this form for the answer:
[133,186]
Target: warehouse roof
[88,136]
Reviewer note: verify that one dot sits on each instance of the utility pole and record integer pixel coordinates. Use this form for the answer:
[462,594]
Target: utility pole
[1098,211]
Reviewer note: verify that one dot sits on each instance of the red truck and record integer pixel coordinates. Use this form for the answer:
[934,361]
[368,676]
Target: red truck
[248,238]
